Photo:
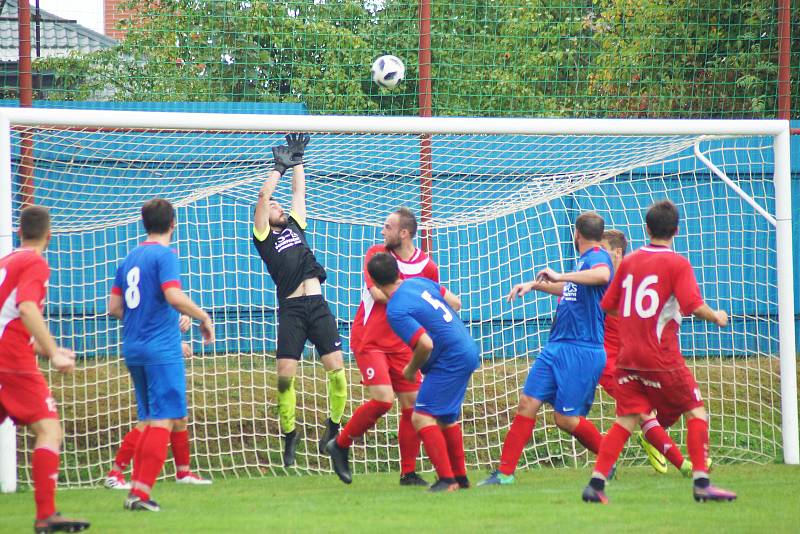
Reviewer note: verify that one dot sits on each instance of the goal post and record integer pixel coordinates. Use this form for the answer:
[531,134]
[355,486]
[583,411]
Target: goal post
[497,199]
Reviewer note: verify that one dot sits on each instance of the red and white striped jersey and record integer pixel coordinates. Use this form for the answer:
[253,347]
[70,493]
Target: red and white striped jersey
[23,277]
[371,330]
[653,289]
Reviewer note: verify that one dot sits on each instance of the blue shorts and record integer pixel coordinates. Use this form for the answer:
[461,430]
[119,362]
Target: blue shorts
[442,394]
[160,390]
[565,375]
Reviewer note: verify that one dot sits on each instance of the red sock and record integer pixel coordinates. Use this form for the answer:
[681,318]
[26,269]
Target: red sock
[518,435]
[658,438]
[610,448]
[455,449]
[436,447]
[697,443]
[45,475]
[588,435]
[363,419]
[126,450]
[180,452]
[409,442]
[153,454]
[137,454]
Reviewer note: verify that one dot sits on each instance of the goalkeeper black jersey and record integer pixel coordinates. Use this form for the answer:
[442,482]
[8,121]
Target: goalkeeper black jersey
[288,257]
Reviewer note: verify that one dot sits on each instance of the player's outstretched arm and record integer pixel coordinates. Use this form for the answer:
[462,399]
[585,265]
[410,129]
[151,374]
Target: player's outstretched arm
[181,302]
[520,290]
[297,148]
[62,359]
[718,317]
[597,276]
[422,350]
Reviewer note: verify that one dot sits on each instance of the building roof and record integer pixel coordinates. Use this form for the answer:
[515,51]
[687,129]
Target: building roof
[58,36]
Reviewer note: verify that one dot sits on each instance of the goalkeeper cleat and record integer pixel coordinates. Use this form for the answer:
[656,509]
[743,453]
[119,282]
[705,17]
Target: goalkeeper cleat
[593,495]
[444,485]
[656,459]
[339,461]
[412,479]
[192,479]
[331,429]
[290,441]
[712,493]
[134,503]
[463,482]
[59,523]
[497,479]
[116,480]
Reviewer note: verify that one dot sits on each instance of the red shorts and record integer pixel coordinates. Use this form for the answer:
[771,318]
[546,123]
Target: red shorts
[607,379]
[380,368]
[669,393]
[26,399]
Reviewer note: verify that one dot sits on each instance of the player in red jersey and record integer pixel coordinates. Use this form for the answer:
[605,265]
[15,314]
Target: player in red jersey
[652,437]
[24,394]
[381,355]
[653,288]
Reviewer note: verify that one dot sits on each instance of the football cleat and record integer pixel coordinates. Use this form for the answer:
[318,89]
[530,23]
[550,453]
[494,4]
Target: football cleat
[116,480]
[290,442]
[497,479]
[59,523]
[135,503]
[339,461]
[712,493]
[686,469]
[412,479]
[193,479]
[463,482]
[331,429]
[592,495]
[654,456]
[444,484]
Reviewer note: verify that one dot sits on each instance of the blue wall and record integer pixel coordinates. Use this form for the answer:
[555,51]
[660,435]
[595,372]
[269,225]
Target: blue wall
[229,278]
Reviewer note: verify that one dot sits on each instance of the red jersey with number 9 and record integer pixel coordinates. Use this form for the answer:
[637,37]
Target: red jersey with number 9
[653,289]
[23,277]
[371,329]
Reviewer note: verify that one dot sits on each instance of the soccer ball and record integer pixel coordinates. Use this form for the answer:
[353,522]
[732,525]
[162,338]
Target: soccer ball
[388,71]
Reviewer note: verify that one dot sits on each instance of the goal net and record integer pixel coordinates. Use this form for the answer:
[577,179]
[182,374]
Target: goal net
[493,207]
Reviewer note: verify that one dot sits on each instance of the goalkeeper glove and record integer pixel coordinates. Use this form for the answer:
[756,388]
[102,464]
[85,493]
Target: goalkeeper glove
[297,144]
[284,159]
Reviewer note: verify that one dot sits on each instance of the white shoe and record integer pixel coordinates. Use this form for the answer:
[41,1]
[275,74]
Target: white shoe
[193,479]
[116,482]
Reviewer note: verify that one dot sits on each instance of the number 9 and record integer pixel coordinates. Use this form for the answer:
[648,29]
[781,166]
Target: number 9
[370,373]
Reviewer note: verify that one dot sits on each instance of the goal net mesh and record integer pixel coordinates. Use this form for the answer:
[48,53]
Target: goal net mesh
[498,208]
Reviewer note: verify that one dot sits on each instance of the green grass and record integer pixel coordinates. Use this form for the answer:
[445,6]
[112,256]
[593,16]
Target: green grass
[543,500]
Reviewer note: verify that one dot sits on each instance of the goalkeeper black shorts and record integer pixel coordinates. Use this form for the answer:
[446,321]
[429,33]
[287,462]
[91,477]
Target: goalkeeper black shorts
[306,318]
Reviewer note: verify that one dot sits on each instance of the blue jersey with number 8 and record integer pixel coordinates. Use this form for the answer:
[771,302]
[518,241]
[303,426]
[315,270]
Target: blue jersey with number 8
[150,332]
[418,307]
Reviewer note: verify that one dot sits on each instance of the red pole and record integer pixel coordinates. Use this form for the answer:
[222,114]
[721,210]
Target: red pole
[425,110]
[25,82]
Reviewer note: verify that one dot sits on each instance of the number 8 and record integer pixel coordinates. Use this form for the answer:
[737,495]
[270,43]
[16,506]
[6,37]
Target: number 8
[132,295]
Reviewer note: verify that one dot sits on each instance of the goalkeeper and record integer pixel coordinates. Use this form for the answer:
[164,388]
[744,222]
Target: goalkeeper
[303,313]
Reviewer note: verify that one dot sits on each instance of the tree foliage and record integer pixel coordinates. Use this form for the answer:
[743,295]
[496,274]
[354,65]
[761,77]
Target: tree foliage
[490,57]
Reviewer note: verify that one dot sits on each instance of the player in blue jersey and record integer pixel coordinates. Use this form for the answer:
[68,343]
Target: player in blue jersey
[444,351]
[566,373]
[147,296]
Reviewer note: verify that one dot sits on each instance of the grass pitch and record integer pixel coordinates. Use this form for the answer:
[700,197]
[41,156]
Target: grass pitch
[543,500]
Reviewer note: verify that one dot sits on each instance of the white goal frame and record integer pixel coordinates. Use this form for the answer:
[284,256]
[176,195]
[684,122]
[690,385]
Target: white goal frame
[778,130]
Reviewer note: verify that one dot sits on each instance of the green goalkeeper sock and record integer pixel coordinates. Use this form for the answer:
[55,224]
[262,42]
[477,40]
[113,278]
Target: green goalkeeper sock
[287,401]
[337,394]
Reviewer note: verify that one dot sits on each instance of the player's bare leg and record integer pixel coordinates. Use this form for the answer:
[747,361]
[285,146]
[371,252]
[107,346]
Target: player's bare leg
[697,443]
[287,403]
[409,441]
[337,396]
[518,436]
[436,447]
[45,473]
[610,449]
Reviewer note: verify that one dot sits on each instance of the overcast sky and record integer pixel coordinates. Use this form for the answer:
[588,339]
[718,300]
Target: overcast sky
[88,13]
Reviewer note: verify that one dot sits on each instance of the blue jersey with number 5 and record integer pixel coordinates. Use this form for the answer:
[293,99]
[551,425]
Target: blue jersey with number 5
[150,333]
[418,307]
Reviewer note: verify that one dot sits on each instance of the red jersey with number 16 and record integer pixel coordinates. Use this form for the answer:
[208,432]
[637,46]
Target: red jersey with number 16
[371,329]
[23,277]
[652,290]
